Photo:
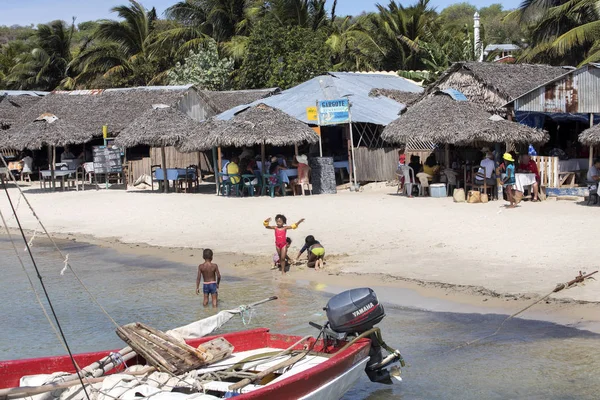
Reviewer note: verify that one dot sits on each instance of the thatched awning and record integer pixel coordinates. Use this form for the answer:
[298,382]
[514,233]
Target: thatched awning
[406,98]
[158,127]
[255,125]
[591,136]
[441,119]
[48,130]
[12,109]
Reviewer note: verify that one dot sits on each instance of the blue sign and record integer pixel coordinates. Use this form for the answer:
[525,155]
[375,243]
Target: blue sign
[333,112]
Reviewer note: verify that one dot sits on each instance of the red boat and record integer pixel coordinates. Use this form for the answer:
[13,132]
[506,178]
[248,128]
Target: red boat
[302,368]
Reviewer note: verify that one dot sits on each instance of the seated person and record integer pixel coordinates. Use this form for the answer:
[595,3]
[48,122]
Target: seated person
[233,169]
[275,170]
[593,175]
[430,167]
[528,166]
[415,164]
[66,155]
[487,168]
[303,172]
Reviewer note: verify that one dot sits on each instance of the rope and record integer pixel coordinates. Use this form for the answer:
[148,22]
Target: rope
[62,271]
[45,231]
[43,286]
[558,288]
[30,243]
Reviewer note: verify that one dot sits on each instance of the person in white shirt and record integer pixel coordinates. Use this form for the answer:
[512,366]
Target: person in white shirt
[66,155]
[27,164]
[487,167]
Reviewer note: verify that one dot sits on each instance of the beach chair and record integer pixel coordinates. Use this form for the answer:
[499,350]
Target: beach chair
[269,185]
[409,180]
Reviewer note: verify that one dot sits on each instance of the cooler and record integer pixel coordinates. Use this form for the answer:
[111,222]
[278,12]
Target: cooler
[438,190]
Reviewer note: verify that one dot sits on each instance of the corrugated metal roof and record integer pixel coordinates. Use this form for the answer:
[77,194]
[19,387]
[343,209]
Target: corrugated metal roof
[375,110]
[573,92]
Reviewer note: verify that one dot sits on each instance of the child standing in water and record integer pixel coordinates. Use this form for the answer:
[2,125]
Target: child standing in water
[208,272]
[287,257]
[281,235]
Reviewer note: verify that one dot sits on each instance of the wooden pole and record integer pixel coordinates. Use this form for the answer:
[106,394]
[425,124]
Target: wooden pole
[220,159]
[296,149]
[447,154]
[199,153]
[591,161]
[350,169]
[53,167]
[262,157]
[216,169]
[163,157]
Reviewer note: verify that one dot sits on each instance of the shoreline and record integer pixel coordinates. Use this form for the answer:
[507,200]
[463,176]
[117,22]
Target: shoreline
[392,289]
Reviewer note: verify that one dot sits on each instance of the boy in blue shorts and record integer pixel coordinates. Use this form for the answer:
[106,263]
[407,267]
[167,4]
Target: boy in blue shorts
[208,272]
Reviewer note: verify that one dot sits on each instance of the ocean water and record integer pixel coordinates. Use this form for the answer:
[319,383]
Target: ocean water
[527,360]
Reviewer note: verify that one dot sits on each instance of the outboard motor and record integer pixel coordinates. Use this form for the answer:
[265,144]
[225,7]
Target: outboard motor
[355,312]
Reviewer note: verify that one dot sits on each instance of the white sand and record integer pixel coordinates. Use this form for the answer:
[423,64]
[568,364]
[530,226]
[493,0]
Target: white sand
[523,250]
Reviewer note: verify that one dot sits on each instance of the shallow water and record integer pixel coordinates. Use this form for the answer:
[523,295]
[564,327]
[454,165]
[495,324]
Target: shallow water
[528,359]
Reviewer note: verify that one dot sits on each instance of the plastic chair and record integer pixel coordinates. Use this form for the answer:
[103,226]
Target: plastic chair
[269,185]
[227,187]
[451,181]
[409,180]
[249,186]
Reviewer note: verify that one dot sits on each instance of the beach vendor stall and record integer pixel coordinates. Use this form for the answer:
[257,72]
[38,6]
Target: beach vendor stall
[256,125]
[161,126]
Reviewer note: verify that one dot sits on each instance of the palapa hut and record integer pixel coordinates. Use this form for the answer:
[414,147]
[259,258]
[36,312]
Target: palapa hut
[590,136]
[160,127]
[449,118]
[255,125]
[13,103]
[492,85]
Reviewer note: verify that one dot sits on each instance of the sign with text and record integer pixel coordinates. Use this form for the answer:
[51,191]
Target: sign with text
[333,112]
[107,159]
[311,114]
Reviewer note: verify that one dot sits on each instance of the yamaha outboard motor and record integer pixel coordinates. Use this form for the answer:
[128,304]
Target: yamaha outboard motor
[355,312]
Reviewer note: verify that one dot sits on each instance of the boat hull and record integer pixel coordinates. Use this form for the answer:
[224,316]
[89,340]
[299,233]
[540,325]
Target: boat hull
[328,380]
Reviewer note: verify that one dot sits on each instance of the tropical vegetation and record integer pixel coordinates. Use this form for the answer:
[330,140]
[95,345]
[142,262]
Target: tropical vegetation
[221,44]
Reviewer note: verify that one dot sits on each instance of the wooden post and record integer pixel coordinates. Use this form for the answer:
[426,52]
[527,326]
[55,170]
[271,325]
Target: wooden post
[163,156]
[447,154]
[350,169]
[199,153]
[591,162]
[216,169]
[296,149]
[53,167]
[262,157]
[220,160]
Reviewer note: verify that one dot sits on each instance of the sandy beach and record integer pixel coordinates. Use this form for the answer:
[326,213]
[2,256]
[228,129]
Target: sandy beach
[435,246]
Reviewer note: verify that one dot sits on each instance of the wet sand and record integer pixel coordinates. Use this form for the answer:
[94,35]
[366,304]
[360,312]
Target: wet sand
[409,293]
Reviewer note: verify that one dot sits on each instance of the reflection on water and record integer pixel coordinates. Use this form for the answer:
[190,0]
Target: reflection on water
[528,359]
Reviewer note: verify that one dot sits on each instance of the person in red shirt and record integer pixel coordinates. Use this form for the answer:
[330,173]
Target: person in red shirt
[527,165]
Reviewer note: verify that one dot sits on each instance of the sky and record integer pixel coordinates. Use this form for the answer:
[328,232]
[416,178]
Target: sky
[26,12]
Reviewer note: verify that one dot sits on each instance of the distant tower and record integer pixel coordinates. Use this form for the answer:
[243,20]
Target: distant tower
[477,38]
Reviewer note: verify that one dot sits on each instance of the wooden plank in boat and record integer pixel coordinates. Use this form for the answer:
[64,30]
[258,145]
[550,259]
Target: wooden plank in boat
[168,354]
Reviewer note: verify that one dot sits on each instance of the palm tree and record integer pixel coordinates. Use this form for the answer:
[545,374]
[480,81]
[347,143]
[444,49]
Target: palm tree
[46,66]
[397,29]
[562,31]
[352,48]
[122,51]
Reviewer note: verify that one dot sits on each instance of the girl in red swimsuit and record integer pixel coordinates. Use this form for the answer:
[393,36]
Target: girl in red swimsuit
[281,235]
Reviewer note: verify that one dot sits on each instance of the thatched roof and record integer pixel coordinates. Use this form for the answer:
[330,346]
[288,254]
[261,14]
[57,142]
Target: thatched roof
[204,138]
[12,107]
[508,80]
[221,101]
[441,119]
[158,127]
[41,132]
[406,98]
[92,109]
[591,136]
[255,125]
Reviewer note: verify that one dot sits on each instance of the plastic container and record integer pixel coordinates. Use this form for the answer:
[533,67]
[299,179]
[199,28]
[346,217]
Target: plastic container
[438,190]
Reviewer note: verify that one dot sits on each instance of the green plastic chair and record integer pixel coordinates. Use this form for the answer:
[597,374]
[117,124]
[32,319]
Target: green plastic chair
[250,187]
[270,186]
[226,187]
